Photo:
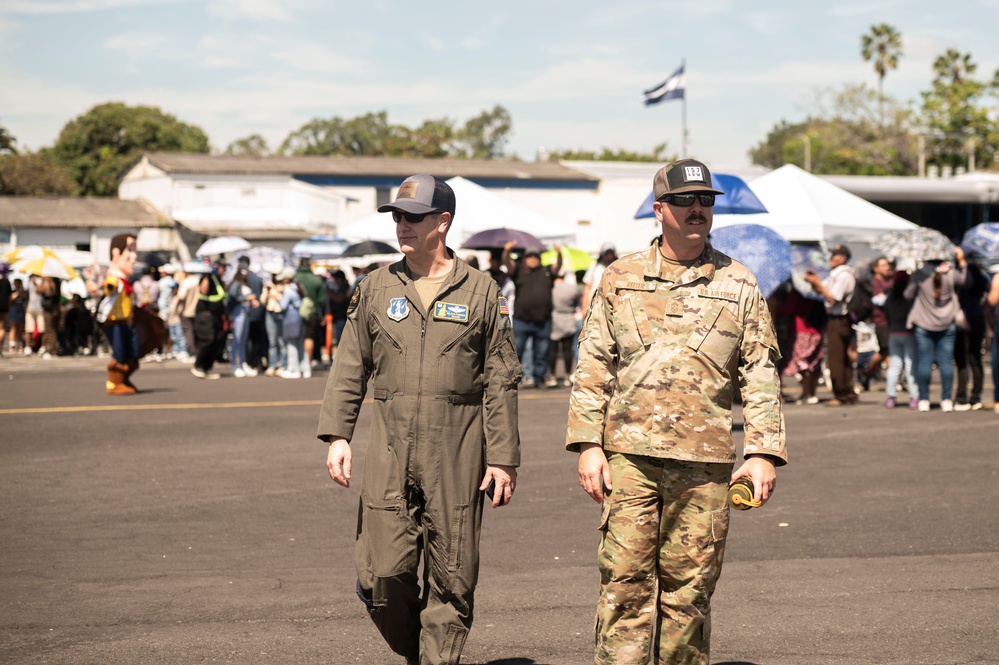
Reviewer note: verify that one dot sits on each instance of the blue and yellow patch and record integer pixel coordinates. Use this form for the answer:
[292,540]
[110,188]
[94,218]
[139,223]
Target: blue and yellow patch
[448,311]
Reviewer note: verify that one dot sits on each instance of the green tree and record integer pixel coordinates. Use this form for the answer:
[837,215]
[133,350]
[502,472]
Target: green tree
[846,135]
[956,115]
[34,174]
[373,135]
[99,145]
[658,154]
[485,135]
[883,45]
[366,135]
[7,142]
[253,145]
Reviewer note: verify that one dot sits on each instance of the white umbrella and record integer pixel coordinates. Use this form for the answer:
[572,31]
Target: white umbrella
[222,245]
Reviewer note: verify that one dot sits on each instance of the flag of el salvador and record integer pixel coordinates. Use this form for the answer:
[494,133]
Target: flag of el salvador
[671,88]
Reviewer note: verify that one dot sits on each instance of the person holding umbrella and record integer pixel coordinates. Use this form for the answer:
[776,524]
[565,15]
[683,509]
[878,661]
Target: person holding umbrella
[434,339]
[671,334]
[532,317]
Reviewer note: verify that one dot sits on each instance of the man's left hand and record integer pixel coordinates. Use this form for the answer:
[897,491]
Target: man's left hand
[761,471]
[506,482]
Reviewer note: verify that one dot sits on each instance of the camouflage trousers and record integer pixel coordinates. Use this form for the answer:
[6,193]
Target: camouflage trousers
[664,527]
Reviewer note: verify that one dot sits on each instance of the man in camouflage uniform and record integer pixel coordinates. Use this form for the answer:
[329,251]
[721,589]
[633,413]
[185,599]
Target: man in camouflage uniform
[434,337]
[672,332]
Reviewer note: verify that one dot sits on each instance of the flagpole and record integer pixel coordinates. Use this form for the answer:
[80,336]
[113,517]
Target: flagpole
[683,67]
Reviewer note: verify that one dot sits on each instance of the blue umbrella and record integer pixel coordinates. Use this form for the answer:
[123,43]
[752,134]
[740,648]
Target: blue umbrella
[760,249]
[738,198]
[982,241]
[803,259]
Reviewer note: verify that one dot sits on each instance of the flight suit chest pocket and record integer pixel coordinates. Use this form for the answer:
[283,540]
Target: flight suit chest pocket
[717,335]
[632,327]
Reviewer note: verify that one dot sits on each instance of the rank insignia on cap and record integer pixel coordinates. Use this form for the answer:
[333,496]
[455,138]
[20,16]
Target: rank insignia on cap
[398,309]
[447,311]
[504,306]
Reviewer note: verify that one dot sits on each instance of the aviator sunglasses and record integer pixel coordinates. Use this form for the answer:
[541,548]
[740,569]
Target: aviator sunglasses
[412,218]
[687,200]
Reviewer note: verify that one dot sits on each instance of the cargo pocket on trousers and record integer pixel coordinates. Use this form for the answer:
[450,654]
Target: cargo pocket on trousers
[604,514]
[719,525]
[387,544]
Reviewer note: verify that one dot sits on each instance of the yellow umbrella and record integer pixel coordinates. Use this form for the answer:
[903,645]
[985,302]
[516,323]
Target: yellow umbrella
[35,260]
[27,253]
[573,260]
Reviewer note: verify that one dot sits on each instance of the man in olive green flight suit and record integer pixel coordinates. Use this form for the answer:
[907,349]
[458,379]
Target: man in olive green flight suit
[434,338]
[669,333]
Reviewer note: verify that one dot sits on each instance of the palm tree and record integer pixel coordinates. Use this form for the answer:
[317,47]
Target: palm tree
[883,45]
[954,67]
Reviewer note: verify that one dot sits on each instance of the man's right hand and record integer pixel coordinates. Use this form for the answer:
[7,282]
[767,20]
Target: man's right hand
[594,472]
[338,461]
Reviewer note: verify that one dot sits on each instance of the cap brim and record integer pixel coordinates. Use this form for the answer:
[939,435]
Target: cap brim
[407,205]
[694,189]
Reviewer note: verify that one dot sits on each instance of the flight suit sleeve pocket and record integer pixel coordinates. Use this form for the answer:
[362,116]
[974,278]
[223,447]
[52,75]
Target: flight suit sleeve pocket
[717,337]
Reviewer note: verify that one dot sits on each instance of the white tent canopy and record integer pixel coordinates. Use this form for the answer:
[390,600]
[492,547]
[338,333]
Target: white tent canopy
[805,208]
[477,209]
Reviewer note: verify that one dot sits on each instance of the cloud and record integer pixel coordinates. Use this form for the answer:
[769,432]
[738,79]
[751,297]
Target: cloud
[76,6]
[257,10]
[138,44]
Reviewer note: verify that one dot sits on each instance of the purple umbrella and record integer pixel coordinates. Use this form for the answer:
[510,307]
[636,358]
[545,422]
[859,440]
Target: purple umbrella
[498,239]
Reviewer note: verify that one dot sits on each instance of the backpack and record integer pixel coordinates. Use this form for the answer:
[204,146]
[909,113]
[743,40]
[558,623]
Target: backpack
[860,307]
[307,309]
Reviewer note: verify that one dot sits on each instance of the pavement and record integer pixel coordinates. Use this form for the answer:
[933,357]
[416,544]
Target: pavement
[195,523]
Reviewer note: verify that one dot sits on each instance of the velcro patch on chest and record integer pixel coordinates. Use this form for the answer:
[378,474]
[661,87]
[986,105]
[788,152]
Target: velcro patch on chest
[449,311]
[715,293]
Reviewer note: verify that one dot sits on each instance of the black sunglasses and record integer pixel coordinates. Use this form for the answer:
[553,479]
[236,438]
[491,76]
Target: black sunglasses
[411,217]
[687,200]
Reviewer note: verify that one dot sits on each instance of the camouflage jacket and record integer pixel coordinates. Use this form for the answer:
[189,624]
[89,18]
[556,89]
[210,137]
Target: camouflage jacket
[658,361]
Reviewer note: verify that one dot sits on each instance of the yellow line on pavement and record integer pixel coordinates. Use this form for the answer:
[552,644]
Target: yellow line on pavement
[157,407]
[168,407]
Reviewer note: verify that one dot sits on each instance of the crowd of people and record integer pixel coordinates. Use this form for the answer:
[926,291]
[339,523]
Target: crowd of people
[894,322]
[283,324]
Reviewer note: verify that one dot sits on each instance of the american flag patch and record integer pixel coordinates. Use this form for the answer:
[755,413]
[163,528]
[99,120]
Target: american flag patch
[504,307]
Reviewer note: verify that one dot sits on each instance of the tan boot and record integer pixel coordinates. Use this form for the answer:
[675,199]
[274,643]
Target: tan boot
[116,379]
[131,366]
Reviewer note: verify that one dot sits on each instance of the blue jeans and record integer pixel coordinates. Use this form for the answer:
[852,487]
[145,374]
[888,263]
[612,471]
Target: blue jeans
[124,341]
[240,316]
[276,353]
[901,352]
[177,338]
[935,345]
[538,333]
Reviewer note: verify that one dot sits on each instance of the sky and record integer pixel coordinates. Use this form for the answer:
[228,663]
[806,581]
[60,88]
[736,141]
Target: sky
[570,74]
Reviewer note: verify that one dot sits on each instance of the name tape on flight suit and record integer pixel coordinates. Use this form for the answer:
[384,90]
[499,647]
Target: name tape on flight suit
[449,311]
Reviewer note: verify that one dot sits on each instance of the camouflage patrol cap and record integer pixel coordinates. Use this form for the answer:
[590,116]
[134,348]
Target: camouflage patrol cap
[681,177]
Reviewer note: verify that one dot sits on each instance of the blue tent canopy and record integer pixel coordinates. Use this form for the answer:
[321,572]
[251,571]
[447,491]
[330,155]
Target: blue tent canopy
[738,198]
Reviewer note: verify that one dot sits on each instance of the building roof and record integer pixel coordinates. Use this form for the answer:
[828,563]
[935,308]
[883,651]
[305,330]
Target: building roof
[364,166]
[67,212]
[978,187]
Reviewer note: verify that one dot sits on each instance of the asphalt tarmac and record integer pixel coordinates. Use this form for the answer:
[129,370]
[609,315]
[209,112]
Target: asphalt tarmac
[195,523]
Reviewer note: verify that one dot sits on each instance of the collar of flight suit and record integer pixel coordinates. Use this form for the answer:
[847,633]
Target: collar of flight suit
[459,273]
[654,265]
